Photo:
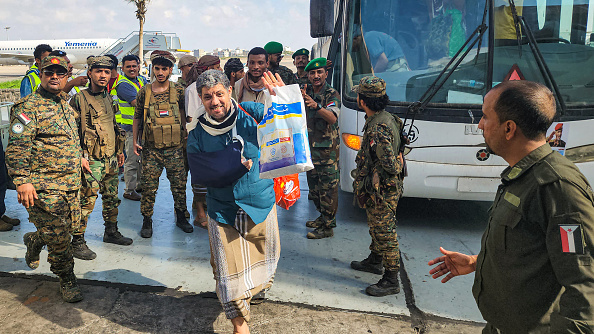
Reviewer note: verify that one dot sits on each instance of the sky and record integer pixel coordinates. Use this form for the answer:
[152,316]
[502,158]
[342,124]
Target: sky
[200,24]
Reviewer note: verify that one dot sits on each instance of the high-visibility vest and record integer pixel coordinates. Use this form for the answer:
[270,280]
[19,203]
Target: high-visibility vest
[125,114]
[113,92]
[33,76]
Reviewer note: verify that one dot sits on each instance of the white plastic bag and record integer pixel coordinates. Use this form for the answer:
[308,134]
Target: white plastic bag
[282,135]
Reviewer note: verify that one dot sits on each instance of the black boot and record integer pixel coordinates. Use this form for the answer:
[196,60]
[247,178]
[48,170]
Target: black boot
[182,222]
[372,264]
[387,285]
[113,236]
[80,250]
[69,288]
[147,227]
[34,245]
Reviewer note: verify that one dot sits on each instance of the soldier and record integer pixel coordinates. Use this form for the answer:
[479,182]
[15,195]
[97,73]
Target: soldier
[185,64]
[275,55]
[160,117]
[102,142]
[300,60]
[379,183]
[322,105]
[533,272]
[44,159]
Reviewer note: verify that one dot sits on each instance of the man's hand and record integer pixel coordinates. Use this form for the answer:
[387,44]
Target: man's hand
[247,163]
[137,149]
[309,102]
[26,194]
[270,81]
[80,81]
[452,263]
[121,159]
[85,165]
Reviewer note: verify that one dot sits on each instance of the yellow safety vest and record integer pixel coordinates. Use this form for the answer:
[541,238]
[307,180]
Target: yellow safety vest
[125,114]
[33,76]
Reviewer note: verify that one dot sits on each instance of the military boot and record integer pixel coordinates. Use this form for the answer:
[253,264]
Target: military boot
[320,233]
[182,222]
[113,236]
[4,226]
[80,250]
[34,245]
[69,288]
[372,264]
[11,221]
[314,223]
[147,227]
[387,285]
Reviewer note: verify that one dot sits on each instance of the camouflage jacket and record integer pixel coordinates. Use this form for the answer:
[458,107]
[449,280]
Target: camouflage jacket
[285,73]
[44,147]
[301,80]
[323,137]
[379,170]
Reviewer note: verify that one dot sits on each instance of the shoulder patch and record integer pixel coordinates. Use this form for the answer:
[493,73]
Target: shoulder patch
[17,127]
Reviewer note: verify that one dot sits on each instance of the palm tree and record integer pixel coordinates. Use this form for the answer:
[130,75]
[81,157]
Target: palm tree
[140,15]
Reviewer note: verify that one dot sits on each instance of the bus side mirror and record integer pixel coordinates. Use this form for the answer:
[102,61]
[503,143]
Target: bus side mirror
[321,18]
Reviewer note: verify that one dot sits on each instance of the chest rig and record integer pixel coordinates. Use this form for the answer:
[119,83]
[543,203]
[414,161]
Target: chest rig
[98,130]
[163,123]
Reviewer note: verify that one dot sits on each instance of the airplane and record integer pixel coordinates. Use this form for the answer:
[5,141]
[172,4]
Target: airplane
[21,52]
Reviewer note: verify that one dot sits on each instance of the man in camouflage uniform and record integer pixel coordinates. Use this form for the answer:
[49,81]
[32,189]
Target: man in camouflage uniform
[322,105]
[160,117]
[378,184]
[275,55]
[44,159]
[102,142]
[300,60]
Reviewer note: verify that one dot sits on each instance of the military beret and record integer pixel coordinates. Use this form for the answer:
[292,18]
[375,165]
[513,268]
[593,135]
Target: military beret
[163,54]
[371,86]
[273,47]
[559,126]
[300,52]
[54,60]
[315,64]
[187,60]
[100,62]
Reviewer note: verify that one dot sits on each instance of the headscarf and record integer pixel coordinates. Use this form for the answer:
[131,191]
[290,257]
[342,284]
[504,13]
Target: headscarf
[202,65]
[248,84]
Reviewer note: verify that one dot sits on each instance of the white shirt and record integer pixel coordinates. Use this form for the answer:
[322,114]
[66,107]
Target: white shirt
[194,107]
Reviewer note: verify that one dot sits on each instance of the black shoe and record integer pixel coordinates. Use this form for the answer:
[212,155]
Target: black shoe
[372,264]
[321,233]
[387,285]
[11,221]
[113,236]
[34,245]
[138,190]
[133,196]
[147,227]
[69,288]
[182,222]
[313,223]
[258,298]
[80,250]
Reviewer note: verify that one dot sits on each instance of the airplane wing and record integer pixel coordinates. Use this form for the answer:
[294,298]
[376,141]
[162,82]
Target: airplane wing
[23,57]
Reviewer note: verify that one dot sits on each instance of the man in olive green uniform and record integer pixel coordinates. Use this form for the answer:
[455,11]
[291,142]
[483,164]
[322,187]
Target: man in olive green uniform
[322,105]
[300,60]
[534,272]
[160,117]
[102,142]
[378,184]
[44,160]
[275,55]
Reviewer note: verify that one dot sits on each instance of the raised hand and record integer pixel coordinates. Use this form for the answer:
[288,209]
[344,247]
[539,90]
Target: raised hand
[270,81]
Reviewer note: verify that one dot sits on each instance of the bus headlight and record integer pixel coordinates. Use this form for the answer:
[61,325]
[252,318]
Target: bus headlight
[580,154]
[352,141]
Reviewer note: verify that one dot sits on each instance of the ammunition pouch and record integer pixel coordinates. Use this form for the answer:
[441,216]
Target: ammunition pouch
[163,123]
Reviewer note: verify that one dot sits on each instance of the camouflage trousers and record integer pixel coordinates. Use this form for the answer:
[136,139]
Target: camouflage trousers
[106,172]
[54,213]
[153,162]
[323,183]
[381,219]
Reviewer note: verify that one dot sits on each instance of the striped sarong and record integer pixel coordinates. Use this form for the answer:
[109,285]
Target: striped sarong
[244,259]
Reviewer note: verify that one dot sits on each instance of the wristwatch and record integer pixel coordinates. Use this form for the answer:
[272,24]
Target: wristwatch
[318,107]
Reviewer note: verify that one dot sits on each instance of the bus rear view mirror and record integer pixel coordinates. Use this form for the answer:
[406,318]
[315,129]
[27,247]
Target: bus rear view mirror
[321,18]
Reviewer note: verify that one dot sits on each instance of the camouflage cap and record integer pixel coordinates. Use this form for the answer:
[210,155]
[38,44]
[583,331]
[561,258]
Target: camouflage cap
[163,54]
[300,52]
[316,63]
[54,61]
[371,86]
[273,47]
[100,62]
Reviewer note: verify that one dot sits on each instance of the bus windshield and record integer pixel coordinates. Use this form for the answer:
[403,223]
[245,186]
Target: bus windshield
[409,42]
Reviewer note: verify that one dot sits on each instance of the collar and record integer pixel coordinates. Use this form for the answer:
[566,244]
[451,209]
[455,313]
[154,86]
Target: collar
[369,119]
[519,169]
[102,93]
[51,96]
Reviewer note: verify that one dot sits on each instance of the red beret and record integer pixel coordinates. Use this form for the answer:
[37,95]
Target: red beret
[559,126]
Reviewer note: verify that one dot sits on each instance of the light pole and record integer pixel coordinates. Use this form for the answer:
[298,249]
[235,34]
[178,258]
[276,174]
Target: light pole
[6,28]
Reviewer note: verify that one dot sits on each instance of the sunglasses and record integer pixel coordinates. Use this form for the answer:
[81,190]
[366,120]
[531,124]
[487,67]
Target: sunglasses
[59,73]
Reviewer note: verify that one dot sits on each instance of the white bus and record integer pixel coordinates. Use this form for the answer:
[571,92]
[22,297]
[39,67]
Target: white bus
[409,42]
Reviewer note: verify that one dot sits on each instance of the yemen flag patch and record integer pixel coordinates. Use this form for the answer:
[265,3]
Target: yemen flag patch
[571,239]
[24,119]
[332,104]
[164,113]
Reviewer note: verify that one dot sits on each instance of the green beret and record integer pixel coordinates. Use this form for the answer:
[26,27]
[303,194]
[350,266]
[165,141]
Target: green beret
[315,64]
[273,47]
[301,52]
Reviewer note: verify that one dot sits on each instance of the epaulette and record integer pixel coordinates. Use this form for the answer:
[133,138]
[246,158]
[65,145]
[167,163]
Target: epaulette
[547,173]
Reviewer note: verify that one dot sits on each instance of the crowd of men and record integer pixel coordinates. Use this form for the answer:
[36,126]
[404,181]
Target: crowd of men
[533,273]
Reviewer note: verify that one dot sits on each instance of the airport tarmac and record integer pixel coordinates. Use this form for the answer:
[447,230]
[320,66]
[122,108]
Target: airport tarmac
[311,273]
